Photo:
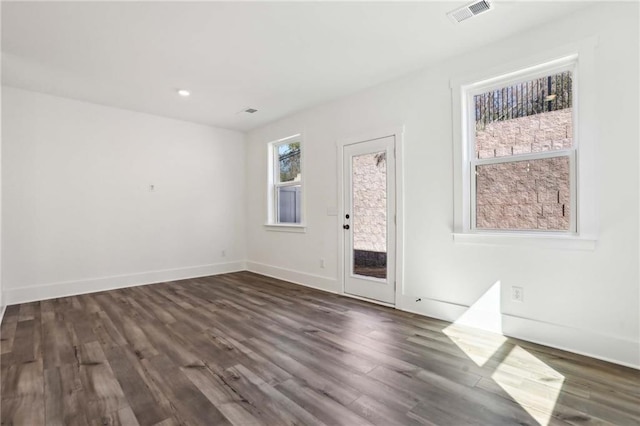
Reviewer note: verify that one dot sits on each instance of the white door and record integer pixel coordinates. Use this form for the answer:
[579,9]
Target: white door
[369,219]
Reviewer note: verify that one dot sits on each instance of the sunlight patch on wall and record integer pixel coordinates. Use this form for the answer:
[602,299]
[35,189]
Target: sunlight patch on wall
[484,314]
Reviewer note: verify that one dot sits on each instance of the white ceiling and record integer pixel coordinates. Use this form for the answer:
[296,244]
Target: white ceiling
[278,57]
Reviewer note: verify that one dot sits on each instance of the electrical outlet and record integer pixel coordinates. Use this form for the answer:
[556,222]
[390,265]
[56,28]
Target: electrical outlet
[322,263]
[517,294]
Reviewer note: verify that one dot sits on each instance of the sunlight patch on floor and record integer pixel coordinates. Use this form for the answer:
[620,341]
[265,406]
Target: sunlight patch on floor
[534,385]
[530,382]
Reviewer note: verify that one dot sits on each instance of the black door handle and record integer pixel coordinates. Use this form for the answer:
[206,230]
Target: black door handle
[345,226]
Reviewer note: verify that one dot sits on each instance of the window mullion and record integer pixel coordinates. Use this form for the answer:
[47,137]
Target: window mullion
[290,183]
[522,157]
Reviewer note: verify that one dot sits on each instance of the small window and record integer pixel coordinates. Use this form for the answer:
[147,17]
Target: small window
[286,182]
[522,153]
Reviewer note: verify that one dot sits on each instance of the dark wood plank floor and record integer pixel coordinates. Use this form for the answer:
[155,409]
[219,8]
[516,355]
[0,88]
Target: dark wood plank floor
[244,349]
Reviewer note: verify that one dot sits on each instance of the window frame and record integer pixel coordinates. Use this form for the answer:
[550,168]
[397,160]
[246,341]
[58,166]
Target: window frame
[469,139]
[586,129]
[275,184]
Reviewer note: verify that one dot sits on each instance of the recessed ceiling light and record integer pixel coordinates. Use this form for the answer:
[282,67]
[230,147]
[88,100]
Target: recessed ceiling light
[183,92]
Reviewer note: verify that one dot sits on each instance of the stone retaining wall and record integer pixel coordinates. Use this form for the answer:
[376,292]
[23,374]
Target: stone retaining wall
[525,194]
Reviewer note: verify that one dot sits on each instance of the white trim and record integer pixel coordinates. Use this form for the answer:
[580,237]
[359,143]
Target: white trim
[539,239]
[547,55]
[399,214]
[287,139]
[339,230]
[618,350]
[368,287]
[302,278]
[273,182]
[523,157]
[317,282]
[522,74]
[283,227]
[3,309]
[615,349]
[364,299]
[432,308]
[398,133]
[583,197]
[469,132]
[92,285]
[289,183]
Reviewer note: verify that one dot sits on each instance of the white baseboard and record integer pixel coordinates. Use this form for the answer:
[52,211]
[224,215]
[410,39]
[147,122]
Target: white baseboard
[585,342]
[615,349]
[3,309]
[308,280]
[438,309]
[72,288]
[608,348]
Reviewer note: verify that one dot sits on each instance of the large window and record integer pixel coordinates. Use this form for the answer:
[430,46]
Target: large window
[522,151]
[286,181]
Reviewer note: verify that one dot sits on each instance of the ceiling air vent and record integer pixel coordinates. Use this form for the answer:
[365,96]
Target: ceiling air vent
[469,11]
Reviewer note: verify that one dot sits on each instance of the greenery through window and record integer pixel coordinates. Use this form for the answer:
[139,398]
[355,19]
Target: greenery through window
[286,189]
[289,161]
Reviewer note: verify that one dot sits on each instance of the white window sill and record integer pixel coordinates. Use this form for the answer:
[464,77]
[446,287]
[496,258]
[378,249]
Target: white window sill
[566,242]
[285,227]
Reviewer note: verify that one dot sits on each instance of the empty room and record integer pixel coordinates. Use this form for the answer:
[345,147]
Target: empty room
[320,213]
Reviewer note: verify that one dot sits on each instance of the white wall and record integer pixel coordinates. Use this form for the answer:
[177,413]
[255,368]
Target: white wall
[78,215]
[585,301]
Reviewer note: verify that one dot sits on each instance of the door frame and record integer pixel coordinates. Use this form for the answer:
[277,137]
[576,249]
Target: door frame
[398,134]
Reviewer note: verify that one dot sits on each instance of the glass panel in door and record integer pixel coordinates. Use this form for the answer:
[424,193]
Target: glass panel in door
[369,192]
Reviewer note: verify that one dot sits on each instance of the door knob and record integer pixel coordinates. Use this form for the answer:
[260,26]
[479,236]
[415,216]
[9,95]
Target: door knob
[345,226]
